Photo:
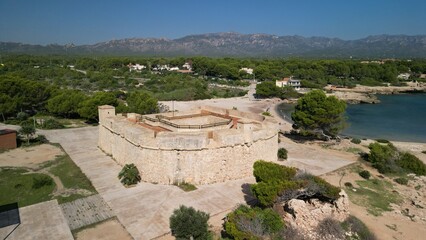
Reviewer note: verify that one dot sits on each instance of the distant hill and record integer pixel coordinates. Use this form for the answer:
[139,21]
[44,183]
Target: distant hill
[242,45]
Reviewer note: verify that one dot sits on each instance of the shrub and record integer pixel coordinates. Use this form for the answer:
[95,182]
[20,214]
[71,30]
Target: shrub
[266,171]
[365,174]
[424,152]
[267,193]
[280,183]
[356,140]
[187,223]
[331,229]
[253,223]
[401,180]
[282,154]
[383,157]
[52,124]
[411,163]
[41,139]
[41,181]
[348,184]
[129,175]
[22,116]
[266,114]
[380,140]
[355,225]
[187,187]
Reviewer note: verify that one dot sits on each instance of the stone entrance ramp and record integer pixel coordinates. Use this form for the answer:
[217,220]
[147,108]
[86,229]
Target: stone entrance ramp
[86,211]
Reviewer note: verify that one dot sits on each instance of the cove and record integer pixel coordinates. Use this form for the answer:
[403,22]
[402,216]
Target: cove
[397,117]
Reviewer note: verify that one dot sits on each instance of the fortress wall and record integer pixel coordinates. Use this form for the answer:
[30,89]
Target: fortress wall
[168,157]
[201,166]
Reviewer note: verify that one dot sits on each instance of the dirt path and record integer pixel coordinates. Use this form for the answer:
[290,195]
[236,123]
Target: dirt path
[108,230]
[29,157]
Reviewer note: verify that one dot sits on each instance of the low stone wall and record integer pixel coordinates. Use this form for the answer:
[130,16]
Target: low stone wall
[196,157]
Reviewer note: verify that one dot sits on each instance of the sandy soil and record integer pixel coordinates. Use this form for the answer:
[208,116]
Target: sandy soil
[108,230]
[391,225]
[241,103]
[29,157]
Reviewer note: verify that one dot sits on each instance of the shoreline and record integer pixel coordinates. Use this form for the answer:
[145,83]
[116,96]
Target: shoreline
[365,94]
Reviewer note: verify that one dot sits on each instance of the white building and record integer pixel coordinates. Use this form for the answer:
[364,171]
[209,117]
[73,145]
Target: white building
[247,70]
[137,67]
[289,82]
[188,66]
[403,76]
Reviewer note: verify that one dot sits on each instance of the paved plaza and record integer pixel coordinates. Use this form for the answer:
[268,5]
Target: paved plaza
[39,221]
[144,210]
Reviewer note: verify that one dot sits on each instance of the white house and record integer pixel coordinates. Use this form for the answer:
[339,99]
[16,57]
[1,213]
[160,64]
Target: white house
[188,66]
[403,76]
[137,67]
[247,70]
[288,82]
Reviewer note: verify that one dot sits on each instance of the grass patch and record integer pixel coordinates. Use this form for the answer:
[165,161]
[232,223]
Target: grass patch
[187,187]
[353,150]
[70,174]
[375,195]
[16,185]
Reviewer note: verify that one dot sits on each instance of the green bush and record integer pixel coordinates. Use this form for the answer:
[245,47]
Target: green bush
[348,184]
[129,175]
[266,114]
[22,116]
[253,223]
[380,140]
[267,171]
[326,189]
[52,124]
[187,223]
[383,157]
[353,224]
[187,187]
[282,154]
[401,180]
[41,181]
[268,192]
[276,182]
[365,174]
[411,163]
[356,140]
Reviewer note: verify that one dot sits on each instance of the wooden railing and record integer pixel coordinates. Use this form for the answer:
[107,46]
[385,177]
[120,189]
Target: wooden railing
[161,119]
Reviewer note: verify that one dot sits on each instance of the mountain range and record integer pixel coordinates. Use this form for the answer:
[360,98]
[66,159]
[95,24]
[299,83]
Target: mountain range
[241,45]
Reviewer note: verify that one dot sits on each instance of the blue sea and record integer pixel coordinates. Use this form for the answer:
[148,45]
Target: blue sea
[397,117]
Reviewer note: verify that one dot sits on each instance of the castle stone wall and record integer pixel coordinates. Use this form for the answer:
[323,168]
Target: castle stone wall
[194,157]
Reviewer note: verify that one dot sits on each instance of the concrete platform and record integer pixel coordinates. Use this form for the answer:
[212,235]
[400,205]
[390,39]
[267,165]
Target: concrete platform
[40,221]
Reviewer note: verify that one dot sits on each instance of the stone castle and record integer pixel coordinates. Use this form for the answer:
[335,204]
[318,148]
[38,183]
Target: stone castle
[202,146]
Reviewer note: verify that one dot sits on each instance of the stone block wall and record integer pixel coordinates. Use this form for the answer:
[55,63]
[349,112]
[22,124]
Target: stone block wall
[194,157]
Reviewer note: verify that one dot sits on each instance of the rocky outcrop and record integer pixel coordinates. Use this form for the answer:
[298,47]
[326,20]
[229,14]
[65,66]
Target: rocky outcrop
[305,215]
[413,205]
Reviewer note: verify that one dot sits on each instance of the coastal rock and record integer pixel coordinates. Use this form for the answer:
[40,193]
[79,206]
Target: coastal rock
[305,215]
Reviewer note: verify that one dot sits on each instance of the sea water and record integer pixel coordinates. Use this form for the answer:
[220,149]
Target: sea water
[397,117]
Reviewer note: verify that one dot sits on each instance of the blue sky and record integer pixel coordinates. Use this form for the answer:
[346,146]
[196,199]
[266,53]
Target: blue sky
[91,21]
